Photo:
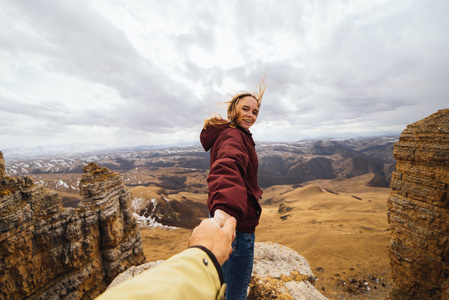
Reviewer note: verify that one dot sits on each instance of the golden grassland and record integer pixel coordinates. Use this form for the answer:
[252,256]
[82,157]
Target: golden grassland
[339,226]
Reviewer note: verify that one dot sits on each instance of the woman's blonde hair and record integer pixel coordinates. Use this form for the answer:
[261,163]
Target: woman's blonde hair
[233,108]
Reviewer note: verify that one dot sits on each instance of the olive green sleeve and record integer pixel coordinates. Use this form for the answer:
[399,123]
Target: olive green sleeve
[191,274]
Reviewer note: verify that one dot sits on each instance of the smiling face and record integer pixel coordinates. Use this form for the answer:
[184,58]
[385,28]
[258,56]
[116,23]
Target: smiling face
[248,110]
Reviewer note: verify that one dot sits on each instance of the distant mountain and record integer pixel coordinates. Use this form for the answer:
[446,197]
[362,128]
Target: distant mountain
[279,163]
[302,161]
[50,151]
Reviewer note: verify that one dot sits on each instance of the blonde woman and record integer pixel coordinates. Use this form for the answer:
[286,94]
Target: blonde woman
[232,181]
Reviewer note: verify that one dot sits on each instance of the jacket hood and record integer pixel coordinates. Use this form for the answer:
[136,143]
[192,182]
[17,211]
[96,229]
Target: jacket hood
[209,135]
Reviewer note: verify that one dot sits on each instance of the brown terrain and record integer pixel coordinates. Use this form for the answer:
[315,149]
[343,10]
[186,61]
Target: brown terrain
[339,226]
[328,200]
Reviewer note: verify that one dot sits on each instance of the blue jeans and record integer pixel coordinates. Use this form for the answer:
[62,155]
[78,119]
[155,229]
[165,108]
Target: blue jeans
[238,268]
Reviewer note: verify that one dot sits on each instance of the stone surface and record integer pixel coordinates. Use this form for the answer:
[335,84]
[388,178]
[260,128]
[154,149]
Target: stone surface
[133,271]
[2,166]
[278,273]
[281,273]
[418,211]
[51,252]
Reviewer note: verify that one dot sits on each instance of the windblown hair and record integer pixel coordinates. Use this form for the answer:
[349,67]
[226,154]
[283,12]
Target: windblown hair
[234,108]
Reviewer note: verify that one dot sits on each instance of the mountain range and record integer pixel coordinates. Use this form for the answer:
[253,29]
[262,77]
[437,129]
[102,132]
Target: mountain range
[279,163]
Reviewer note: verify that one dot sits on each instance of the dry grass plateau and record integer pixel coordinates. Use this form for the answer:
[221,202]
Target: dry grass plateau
[339,226]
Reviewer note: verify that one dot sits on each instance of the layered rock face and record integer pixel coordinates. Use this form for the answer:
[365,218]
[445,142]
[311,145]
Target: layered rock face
[2,166]
[418,211]
[50,252]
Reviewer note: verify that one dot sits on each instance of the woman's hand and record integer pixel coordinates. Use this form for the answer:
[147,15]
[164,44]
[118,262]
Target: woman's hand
[221,217]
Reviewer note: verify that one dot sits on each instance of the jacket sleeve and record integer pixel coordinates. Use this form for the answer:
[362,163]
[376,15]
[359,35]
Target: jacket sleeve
[192,274]
[227,190]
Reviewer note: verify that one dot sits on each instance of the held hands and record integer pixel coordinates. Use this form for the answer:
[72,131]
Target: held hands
[220,217]
[214,237]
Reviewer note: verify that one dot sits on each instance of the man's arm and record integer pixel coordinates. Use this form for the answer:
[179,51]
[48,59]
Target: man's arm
[194,273]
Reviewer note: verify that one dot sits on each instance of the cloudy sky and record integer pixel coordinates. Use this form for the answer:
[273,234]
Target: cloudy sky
[120,72]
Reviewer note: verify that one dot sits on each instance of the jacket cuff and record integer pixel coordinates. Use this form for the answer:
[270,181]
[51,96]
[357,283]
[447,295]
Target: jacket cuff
[214,260]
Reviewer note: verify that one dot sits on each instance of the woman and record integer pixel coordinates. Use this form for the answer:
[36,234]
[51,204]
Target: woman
[232,181]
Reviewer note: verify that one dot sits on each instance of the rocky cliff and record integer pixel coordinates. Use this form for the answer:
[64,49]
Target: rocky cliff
[50,252]
[2,166]
[418,211]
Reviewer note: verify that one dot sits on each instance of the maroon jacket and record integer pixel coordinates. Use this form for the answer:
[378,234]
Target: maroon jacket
[232,177]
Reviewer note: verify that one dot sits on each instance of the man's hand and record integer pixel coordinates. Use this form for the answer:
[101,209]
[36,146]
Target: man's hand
[217,240]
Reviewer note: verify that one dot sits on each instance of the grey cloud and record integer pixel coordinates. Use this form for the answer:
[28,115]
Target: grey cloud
[366,106]
[41,110]
[84,44]
[48,116]
[346,62]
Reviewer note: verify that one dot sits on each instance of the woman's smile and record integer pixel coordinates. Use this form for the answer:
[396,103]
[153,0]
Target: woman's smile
[249,109]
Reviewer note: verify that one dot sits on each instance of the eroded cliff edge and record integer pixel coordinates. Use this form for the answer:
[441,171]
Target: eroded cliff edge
[418,211]
[50,252]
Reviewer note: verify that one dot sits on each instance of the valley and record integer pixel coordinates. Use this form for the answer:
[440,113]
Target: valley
[343,234]
[326,199]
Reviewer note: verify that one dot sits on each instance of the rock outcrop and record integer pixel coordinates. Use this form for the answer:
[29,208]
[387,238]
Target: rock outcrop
[418,211]
[281,273]
[2,166]
[278,273]
[51,252]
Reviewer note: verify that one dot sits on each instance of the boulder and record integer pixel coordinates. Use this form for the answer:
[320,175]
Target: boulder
[281,273]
